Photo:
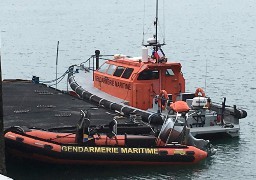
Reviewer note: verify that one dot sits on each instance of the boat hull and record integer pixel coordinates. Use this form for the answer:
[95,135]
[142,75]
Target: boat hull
[206,126]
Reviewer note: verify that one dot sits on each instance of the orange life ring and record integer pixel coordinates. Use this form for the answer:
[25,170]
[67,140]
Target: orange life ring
[201,91]
[163,97]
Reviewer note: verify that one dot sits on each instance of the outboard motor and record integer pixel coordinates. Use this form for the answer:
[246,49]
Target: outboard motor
[171,133]
[201,144]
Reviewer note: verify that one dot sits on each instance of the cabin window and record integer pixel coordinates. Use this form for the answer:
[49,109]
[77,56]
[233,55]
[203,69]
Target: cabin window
[119,71]
[148,75]
[127,73]
[169,72]
[103,68]
[111,69]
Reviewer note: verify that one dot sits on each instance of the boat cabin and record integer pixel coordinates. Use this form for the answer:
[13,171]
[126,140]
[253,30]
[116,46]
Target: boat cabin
[137,81]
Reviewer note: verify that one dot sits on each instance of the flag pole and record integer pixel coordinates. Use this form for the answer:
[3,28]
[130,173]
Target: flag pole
[2,144]
[57,63]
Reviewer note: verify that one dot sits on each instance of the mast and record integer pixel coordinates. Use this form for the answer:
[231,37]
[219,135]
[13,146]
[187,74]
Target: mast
[156,24]
[153,42]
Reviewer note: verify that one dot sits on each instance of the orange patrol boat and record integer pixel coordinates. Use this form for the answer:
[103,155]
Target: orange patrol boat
[151,83]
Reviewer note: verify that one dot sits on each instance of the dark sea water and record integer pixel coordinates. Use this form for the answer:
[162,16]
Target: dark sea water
[215,40]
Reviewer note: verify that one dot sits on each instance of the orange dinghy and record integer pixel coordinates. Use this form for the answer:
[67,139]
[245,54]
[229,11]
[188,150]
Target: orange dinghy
[96,152]
[85,147]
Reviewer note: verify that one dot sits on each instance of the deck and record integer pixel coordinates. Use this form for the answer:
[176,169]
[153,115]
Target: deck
[36,105]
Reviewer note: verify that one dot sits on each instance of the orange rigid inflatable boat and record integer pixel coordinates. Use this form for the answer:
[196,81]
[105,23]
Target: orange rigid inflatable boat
[85,147]
[102,151]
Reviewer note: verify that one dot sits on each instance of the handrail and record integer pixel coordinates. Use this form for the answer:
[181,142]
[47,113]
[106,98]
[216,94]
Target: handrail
[91,65]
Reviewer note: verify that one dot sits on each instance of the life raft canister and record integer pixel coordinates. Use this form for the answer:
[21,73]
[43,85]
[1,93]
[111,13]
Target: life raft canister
[162,99]
[201,91]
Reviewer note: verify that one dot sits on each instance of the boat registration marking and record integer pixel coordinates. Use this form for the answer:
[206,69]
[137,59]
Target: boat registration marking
[114,150]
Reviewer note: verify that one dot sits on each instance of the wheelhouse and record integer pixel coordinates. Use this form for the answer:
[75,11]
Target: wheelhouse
[138,82]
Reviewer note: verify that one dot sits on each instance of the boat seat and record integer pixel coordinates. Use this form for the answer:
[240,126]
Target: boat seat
[82,128]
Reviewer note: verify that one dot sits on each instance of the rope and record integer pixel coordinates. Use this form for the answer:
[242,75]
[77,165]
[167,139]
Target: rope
[59,79]
[54,80]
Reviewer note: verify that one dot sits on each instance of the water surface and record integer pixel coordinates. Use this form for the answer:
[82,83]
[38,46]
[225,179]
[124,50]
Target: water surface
[213,39]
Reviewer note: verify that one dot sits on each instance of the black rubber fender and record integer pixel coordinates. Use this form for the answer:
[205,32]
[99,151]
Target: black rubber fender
[240,113]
